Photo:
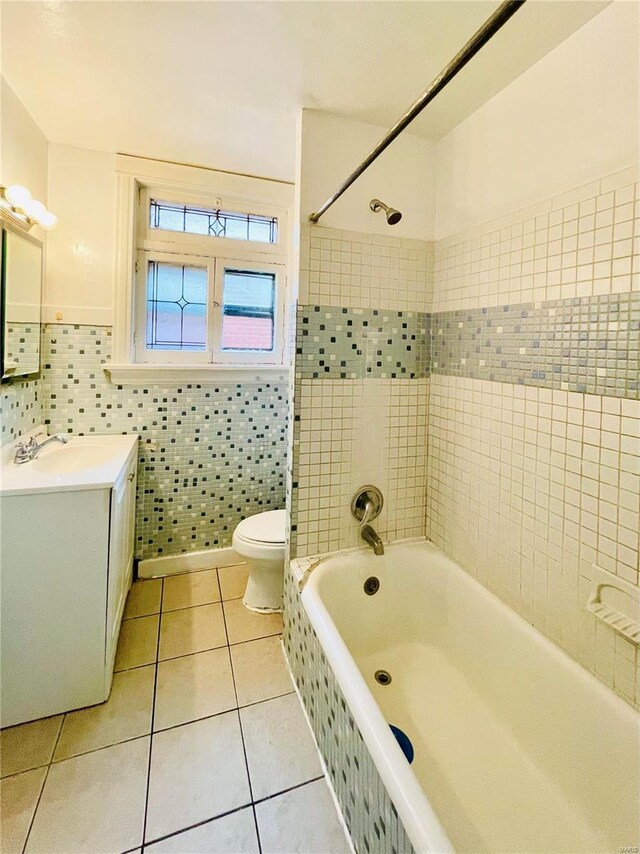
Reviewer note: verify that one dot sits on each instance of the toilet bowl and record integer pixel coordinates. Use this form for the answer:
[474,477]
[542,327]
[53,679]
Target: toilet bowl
[261,540]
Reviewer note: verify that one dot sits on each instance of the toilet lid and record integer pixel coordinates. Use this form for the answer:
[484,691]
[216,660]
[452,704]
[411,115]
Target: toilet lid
[266,527]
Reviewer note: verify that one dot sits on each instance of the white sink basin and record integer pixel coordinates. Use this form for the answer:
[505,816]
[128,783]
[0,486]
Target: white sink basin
[84,462]
[76,456]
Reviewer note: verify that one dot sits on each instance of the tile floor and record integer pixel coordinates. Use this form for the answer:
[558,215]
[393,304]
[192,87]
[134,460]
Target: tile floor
[201,747]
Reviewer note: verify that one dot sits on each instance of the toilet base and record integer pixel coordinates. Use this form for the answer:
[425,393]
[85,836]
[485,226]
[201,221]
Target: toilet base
[264,586]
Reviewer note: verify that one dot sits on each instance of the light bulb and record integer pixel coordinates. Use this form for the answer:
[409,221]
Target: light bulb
[35,210]
[48,221]
[17,196]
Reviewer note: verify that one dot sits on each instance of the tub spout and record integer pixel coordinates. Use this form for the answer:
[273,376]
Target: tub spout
[369,536]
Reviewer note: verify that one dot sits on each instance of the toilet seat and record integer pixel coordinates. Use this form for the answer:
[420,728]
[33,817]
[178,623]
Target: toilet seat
[268,527]
[261,536]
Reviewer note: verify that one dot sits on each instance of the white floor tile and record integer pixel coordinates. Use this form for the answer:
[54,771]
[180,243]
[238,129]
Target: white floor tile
[232,834]
[193,687]
[138,642]
[18,798]
[125,715]
[260,670]
[303,821]
[197,772]
[93,803]
[29,745]
[243,624]
[193,588]
[281,751]
[233,580]
[144,598]
[191,630]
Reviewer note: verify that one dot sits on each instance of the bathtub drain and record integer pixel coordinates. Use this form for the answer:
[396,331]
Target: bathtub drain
[371,585]
[382,677]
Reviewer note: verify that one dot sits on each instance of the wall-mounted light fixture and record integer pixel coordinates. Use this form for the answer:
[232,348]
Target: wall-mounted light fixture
[17,204]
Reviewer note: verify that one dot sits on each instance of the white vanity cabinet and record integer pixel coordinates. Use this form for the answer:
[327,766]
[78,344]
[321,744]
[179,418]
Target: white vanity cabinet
[66,561]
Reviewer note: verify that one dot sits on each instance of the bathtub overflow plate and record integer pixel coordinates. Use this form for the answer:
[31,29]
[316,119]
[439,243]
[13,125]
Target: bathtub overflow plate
[382,677]
[371,585]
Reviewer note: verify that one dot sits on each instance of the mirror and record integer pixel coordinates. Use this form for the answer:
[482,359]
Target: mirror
[21,282]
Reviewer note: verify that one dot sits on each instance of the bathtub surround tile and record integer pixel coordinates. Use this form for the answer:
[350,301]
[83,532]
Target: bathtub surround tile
[192,687]
[93,802]
[233,580]
[588,344]
[280,748]
[281,830]
[137,643]
[144,598]
[197,772]
[28,745]
[244,625]
[361,270]
[334,342]
[260,670]
[527,489]
[192,588]
[18,800]
[125,715]
[370,816]
[191,630]
[232,834]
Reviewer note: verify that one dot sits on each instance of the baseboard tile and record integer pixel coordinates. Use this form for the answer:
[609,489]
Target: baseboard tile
[156,567]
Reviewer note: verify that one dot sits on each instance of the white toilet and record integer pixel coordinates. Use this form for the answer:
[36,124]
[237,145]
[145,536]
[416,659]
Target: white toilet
[261,540]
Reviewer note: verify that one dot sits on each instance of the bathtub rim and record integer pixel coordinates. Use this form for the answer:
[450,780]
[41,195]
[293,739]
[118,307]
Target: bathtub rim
[405,791]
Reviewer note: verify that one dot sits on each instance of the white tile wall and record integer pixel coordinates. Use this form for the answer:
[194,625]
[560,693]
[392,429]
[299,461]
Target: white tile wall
[527,488]
[582,243]
[358,270]
[354,432]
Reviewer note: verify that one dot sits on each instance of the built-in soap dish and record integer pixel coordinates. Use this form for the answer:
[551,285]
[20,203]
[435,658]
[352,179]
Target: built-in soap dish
[616,602]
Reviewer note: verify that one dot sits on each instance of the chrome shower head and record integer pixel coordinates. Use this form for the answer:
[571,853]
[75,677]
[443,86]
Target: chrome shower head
[393,216]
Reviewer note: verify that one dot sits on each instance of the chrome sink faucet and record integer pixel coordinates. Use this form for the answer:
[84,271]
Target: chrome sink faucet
[27,451]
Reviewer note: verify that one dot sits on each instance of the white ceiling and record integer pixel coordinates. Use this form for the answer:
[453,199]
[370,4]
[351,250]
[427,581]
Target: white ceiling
[219,83]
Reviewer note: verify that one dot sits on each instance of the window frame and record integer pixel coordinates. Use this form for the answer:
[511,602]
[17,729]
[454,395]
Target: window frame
[138,180]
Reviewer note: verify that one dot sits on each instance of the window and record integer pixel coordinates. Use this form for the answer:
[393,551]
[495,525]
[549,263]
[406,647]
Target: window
[210,281]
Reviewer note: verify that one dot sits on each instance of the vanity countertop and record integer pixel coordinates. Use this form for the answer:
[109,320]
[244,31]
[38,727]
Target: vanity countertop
[84,462]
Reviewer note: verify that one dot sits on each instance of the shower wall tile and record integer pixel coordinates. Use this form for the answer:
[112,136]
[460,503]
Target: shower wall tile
[334,342]
[22,345]
[350,433]
[588,344]
[579,244]
[371,817]
[526,489]
[209,455]
[358,270]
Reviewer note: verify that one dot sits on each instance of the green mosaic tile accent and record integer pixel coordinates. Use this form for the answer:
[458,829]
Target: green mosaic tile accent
[209,455]
[334,342]
[589,344]
[372,820]
[20,408]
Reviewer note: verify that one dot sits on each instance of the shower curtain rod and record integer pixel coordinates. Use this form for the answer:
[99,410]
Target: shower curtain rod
[490,27]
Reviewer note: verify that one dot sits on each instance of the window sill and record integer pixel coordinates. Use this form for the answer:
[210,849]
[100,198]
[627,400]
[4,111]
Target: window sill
[147,374]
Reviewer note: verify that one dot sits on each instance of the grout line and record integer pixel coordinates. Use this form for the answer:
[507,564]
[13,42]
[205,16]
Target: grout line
[44,783]
[244,746]
[153,714]
[289,789]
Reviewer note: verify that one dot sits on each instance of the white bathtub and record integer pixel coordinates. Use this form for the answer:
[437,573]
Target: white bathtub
[517,748]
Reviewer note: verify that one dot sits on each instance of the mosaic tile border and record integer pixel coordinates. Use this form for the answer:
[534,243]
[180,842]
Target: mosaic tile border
[589,345]
[583,344]
[372,820]
[334,342]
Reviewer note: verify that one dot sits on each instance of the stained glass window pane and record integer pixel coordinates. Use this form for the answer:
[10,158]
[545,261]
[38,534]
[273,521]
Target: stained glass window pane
[176,307]
[192,219]
[248,310]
